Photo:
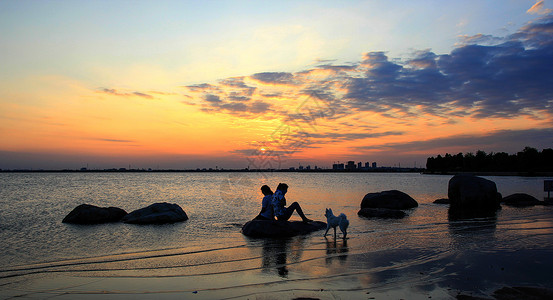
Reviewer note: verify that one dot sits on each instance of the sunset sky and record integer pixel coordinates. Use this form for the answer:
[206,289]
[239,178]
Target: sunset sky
[232,84]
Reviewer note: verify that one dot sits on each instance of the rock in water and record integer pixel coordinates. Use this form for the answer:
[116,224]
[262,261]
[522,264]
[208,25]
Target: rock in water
[273,229]
[388,199]
[157,213]
[521,200]
[90,214]
[469,192]
[441,201]
[382,213]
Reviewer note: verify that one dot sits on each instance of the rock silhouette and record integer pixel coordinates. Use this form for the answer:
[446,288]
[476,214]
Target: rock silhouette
[469,192]
[90,214]
[521,200]
[263,228]
[393,199]
[157,213]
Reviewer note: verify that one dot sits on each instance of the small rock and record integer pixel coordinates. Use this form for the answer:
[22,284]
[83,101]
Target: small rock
[521,200]
[442,201]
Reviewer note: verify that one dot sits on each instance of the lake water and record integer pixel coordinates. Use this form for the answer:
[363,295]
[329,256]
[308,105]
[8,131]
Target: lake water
[423,255]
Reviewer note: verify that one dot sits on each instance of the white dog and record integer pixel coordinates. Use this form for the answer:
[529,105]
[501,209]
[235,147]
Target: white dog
[334,221]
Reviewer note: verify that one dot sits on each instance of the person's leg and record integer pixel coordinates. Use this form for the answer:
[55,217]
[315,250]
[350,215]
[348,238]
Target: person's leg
[290,210]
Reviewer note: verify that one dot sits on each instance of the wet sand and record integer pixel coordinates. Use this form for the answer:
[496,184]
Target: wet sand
[309,267]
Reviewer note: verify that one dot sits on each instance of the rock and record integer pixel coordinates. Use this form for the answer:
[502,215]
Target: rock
[383,213]
[90,214]
[388,199]
[521,200]
[272,229]
[157,213]
[442,201]
[468,192]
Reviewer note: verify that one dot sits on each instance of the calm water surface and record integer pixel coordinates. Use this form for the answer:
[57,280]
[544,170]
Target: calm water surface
[423,255]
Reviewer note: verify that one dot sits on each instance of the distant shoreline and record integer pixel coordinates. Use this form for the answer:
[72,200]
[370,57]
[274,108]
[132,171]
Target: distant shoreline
[372,170]
[123,170]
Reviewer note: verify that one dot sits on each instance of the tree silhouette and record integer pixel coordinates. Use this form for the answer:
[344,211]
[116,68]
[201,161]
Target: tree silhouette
[527,160]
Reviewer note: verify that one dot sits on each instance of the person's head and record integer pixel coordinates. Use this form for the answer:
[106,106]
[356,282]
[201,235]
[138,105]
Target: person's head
[266,190]
[282,187]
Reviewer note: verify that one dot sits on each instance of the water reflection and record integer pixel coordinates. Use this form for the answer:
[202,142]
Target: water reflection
[278,253]
[336,250]
[476,228]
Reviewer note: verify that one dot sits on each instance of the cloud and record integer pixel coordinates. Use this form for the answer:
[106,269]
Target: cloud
[538,9]
[274,77]
[116,141]
[212,98]
[117,93]
[483,77]
[504,80]
[351,136]
[501,140]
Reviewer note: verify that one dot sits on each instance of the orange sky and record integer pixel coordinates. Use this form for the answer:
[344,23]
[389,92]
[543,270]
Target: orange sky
[127,108]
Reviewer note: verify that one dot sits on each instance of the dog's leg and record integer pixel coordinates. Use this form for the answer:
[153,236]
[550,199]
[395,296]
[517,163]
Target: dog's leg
[327,228]
[334,233]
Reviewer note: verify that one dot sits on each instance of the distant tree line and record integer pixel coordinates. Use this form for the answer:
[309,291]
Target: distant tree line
[527,160]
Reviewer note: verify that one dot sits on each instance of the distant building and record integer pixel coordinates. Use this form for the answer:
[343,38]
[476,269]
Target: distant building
[367,165]
[350,166]
[374,164]
[338,166]
[359,165]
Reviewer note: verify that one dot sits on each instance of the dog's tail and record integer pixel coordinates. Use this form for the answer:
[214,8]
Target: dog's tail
[343,216]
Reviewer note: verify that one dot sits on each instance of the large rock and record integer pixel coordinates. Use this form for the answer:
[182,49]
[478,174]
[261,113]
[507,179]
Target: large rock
[469,192]
[388,199]
[273,229]
[521,200]
[157,213]
[90,214]
[382,213]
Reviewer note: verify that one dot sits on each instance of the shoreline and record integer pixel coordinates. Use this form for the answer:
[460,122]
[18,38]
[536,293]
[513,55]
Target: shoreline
[377,170]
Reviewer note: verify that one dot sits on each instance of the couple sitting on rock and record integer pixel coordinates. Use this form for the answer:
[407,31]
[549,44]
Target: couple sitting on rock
[274,205]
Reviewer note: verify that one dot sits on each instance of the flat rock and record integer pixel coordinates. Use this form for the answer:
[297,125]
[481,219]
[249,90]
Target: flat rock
[91,214]
[393,199]
[273,229]
[382,213]
[157,213]
[469,192]
[521,200]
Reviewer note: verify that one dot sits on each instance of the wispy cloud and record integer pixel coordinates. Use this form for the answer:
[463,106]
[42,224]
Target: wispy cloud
[501,140]
[125,94]
[539,9]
